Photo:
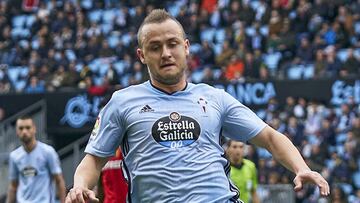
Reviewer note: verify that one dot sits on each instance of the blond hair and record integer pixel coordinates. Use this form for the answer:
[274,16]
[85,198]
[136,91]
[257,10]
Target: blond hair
[156,16]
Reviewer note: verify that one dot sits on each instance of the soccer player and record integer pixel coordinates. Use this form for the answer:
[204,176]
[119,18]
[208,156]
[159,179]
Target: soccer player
[33,168]
[113,187]
[243,172]
[169,130]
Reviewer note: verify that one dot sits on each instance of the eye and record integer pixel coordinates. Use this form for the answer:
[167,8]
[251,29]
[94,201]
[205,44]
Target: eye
[154,48]
[173,44]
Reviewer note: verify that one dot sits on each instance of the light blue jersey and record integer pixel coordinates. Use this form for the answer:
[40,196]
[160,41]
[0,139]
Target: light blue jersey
[171,143]
[34,173]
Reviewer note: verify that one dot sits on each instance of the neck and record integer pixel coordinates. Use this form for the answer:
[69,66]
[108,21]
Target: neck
[237,162]
[29,146]
[170,88]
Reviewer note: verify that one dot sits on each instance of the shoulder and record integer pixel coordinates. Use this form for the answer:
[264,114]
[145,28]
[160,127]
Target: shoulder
[205,89]
[249,163]
[203,86]
[130,90]
[17,153]
[128,93]
[46,148]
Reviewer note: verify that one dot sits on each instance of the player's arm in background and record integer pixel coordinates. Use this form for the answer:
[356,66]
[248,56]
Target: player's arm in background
[14,182]
[54,165]
[100,189]
[11,194]
[286,153]
[254,196]
[85,178]
[60,186]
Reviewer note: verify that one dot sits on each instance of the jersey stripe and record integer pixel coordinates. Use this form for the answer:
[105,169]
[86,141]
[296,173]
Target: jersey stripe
[128,178]
[125,145]
[233,188]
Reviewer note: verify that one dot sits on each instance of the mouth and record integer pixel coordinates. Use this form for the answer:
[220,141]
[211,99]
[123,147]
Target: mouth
[167,65]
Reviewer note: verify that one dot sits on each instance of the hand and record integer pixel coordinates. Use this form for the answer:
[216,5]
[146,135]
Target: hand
[311,177]
[81,195]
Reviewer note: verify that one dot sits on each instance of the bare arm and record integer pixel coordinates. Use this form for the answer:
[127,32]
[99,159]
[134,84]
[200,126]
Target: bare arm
[85,178]
[60,187]
[254,197]
[286,153]
[11,194]
[281,148]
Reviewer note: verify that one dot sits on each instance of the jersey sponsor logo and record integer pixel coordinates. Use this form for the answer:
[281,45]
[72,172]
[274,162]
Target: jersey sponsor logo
[175,130]
[29,171]
[146,108]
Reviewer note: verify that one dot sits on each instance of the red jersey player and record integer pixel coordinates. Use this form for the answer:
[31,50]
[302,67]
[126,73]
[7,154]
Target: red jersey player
[114,185]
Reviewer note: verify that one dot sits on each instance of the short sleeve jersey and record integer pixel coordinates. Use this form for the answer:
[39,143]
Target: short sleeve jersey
[34,172]
[245,179]
[171,142]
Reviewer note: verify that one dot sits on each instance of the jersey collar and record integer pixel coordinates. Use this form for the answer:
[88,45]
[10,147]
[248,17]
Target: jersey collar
[163,91]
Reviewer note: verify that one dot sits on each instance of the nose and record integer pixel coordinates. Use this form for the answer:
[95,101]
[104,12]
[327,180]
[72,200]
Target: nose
[166,53]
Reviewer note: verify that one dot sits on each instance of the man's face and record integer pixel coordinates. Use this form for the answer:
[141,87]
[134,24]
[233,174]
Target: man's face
[164,51]
[25,130]
[236,151]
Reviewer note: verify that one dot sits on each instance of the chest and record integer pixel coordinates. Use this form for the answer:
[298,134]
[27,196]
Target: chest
[31,165]
[173,121]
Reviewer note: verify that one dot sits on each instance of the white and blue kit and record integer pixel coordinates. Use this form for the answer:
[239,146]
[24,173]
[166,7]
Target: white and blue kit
[34,172]
[171,142]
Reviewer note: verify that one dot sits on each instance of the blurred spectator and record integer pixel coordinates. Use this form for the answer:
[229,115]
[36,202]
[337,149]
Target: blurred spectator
[356,129]
[337,195]
[313,122]
[2,114]
[320,64]
[333,64]
[58,78]
[35,86]
[294,130]
[257,41]
[226,53]
[317,157]
[208,75]
[251,66]
[327,132]
[207,55]
[341,171]
[235,69]
[305,51]
[345,120]
[71,77]
[351,67]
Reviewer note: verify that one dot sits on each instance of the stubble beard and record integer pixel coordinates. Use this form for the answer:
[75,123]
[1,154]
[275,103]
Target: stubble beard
[170,79]
[26,140]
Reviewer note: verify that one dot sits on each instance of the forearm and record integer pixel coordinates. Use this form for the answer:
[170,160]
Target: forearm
[11,195]
[61,190]
[287,154]
[88,172]
[282,149]
[254,197]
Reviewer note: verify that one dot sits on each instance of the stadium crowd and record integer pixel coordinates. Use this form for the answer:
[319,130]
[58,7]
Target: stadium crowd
[56,45]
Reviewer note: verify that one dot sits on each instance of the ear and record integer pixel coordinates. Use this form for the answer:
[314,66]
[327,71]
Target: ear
[187,47]
[140,54]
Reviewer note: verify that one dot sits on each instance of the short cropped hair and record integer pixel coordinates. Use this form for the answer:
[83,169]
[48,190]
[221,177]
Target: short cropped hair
[25,117]
[156,16]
